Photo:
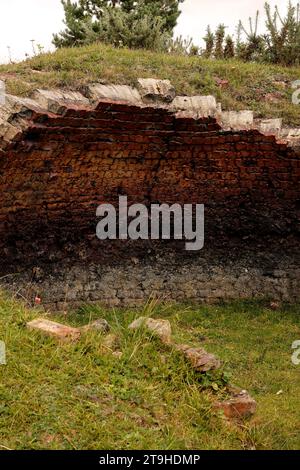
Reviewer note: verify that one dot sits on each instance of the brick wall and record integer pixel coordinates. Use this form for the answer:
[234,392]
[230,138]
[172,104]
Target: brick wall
[59,167]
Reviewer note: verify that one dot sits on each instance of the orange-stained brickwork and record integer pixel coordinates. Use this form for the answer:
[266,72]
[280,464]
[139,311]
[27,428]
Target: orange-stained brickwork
[56,173]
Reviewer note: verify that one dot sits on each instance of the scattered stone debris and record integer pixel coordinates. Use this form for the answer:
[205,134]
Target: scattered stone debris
[57,330]
[161,328]
[201,360]
[98,325]
[240,406]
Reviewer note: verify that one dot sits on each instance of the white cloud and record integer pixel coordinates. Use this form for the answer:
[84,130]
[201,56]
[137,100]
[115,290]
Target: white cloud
[23,20]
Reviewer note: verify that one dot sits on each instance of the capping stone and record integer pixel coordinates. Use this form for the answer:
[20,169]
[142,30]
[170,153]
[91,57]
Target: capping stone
[156,90]
[57,101]
[18,107]
[203,106]
[270,126]
[14,116]
[237,120]
[125,93]
[16,112]
[292,136]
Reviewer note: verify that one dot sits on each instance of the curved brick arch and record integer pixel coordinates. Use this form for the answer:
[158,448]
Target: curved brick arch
[63,153]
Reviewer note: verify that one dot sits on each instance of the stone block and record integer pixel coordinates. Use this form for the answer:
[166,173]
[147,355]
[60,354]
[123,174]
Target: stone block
[156,90]
[100,325]
[240,406]
[57,330]
[159,327]
[237,120]
[98,92]
[57,101]
[201,106]
[200,360]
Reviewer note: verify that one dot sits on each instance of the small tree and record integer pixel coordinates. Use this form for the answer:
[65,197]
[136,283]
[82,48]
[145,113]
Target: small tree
[254,47]
[229,48]
[180,45]
[166,9]
[90,20]
[126,29]
[209,39]
[219,35]
[283,38]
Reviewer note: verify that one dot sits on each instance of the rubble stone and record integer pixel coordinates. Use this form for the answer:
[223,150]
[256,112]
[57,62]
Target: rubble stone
[161,328]
[57,330]
[200,360]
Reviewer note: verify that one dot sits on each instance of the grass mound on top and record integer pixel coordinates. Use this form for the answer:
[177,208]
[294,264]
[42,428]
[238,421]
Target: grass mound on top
[265,89]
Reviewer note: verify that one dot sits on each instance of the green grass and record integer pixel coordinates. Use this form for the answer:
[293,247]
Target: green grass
[77,396]
[248,82]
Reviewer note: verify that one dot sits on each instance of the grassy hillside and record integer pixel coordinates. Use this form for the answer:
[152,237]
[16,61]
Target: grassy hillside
[79,396]
[263,88]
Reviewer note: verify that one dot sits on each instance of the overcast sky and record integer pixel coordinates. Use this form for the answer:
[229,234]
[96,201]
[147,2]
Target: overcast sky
[23,20]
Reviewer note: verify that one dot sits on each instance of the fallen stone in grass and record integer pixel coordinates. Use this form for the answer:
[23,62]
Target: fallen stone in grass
[57,330]
[98,325]
[161,328]
[240,406]
[200,360]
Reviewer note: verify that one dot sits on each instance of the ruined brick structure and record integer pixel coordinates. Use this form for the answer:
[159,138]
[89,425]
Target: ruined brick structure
[64,153]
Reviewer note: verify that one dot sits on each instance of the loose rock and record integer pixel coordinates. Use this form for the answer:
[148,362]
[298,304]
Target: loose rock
[57,330]
[161,328]
[240,406]
[201,360]
[98,325]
